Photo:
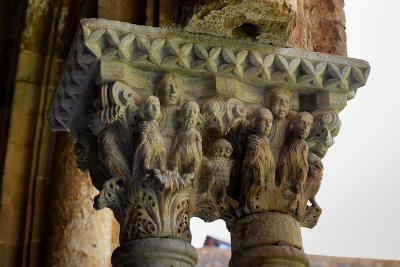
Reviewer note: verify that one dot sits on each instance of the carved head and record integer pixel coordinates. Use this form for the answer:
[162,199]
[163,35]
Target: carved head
[213,111]
[262,121]
[189,115]
[278,101]
[150,109]
[169,90]
[220,148]
[301,125]
[326,126]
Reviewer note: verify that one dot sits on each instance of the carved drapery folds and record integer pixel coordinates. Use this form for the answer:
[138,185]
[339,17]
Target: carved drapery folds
[171,125]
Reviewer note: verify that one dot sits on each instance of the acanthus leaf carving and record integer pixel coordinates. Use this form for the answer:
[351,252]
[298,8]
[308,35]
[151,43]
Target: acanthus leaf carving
[112,197]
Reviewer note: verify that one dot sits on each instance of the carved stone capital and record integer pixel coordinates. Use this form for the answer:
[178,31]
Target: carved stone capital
[172,125]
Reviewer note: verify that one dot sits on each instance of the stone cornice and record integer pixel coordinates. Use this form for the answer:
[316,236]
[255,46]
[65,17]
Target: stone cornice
[155,49]
[250,62]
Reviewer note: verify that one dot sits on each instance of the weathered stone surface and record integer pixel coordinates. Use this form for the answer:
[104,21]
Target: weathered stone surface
[267,239]
[269,228]
[163,252]
[146,48]
[123,10]
[77,234]
[172,125]
[320,27]
[267,21]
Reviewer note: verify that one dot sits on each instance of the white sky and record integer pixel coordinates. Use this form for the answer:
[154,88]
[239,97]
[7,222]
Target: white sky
[360,189]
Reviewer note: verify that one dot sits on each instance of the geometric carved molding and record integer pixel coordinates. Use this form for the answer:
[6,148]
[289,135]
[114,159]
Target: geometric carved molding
[248,61]
[330,77]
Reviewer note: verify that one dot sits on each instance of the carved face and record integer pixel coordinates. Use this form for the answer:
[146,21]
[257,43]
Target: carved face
[221,149]
[263,127]
[190,113]
[302,126]
[170,93]
[151,109]
[218,152]
[227,152]
[319,140]
[280,106]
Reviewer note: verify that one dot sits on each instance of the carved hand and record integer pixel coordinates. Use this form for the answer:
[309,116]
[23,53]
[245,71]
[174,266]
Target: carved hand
[253,141]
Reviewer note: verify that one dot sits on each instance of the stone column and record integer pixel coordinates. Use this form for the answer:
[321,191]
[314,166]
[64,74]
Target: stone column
[267,239]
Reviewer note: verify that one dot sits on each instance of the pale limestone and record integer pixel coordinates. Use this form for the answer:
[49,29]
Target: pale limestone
[172,125]
[267,21]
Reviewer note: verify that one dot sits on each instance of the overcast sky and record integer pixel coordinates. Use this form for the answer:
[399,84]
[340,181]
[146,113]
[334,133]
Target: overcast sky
[360,189]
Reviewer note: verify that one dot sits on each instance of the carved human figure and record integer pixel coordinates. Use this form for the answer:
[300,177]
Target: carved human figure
[169,91]
[109,150]
[213,111]
[258,165]
[326,125]
[278,101]
[186,148]
[292,165]
[150,152]
[216,170]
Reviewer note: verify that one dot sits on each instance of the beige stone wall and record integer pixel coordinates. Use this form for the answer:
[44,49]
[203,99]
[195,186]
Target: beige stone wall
[44,42]
[77,234]
[320,27]
[27,145]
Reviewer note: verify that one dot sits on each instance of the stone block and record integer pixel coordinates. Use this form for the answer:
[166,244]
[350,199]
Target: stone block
[45,152]
[35,254]
[331,100]
[40,191]
[123,10]
[26,97]
[4,221]
[17,160]
[267,21]
[14,190]
[30,67]
[57,65]
[10,254]
[15,225]
[39,220]
[118,71]
[265,228]
[227,86]
[320,27]
[22,128]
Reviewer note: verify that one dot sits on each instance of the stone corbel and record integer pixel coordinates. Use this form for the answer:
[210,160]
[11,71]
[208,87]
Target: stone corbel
[172,124]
